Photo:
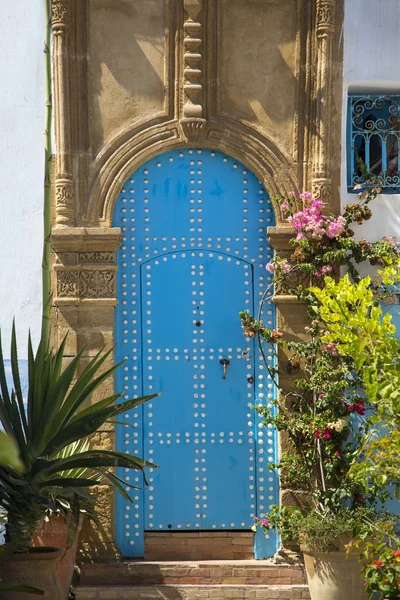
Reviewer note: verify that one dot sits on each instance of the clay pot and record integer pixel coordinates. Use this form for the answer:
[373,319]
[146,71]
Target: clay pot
[332,576]
[36,568]
[54,532]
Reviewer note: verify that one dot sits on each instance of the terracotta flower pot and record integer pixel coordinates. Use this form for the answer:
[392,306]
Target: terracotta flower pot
[54,532]
[36,568]
[332,576]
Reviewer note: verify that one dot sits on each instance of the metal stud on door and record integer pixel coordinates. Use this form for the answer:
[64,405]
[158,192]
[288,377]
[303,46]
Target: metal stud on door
[193,255]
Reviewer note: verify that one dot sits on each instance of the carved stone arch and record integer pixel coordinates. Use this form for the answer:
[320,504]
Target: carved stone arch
[126,154]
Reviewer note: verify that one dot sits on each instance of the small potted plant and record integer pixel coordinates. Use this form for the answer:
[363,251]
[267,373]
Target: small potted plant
[56,415]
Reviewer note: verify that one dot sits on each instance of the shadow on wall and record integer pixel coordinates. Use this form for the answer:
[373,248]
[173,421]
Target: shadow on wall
[126,50]
[257,61]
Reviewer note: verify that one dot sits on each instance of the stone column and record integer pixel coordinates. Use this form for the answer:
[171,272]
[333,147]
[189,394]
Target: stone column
[325,31]
[65,201]
[84,291]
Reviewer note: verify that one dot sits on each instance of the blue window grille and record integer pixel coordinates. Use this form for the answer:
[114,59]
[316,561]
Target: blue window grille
[374,137]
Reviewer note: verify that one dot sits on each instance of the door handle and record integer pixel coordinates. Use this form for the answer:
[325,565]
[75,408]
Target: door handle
[224,362]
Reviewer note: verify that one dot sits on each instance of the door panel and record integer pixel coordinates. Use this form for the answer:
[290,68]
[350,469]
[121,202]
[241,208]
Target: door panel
[193,255]
[190,328]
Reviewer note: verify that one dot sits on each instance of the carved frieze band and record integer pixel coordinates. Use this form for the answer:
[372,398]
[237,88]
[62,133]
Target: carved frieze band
[86,284]
[85,275]
[192,121]
[325,31]
[64,184]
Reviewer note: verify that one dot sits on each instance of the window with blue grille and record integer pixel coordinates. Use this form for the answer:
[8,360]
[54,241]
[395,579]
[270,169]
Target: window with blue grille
[374,139]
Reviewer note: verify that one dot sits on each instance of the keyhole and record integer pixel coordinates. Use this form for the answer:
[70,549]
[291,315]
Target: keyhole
[169,526]
[198,324]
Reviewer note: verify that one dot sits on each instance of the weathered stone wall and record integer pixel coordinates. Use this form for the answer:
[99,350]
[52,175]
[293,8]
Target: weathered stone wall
[257,79]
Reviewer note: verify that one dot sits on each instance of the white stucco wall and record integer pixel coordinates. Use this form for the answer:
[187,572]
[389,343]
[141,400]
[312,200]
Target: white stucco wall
[371,50]
[21,167]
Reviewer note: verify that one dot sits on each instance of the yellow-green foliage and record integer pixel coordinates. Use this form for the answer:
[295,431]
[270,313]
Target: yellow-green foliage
[355,322]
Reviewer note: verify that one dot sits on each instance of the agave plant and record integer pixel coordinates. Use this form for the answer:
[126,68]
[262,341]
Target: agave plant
[55,417]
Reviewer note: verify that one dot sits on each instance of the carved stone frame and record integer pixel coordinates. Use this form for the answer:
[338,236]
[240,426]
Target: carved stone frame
[84,241]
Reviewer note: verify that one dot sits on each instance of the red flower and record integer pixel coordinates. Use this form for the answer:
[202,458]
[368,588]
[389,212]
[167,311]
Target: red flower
[378,563]
[396,553]
[316,434]
[327,434]
[358,408]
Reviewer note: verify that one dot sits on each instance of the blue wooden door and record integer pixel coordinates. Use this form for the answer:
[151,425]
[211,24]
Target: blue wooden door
[193,255]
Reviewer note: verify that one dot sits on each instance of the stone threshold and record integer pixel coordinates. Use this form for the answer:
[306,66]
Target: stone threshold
[207,572]
[193,592]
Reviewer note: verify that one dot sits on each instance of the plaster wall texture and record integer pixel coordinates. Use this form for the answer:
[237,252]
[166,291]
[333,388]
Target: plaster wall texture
[256,58]
[126,64]
[22,101]
[371,44]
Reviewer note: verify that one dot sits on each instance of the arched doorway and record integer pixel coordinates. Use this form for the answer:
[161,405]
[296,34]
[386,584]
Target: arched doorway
[193,255]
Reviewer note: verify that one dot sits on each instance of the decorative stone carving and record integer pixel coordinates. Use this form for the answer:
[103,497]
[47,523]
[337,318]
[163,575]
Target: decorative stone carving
[83,271]
[193,122]
[322,189]
[325,30]
[60,13]
[194,130]
[96,257]
[257,152]
[64,184]
[326,17]
[67,284]
[97,284]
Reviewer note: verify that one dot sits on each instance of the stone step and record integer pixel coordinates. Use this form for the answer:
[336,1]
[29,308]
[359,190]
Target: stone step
[218,572]
[194,592]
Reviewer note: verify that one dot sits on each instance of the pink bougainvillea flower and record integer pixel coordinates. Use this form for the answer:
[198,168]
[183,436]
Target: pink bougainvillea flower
[264,522]
[338,453]
[250,333]
[358,186]
[306,196]
[277,334]
[317,204]
[270,267]
[285,266]
[325,269]
[285,205]
[327,434]
[332,349]
[317,435]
